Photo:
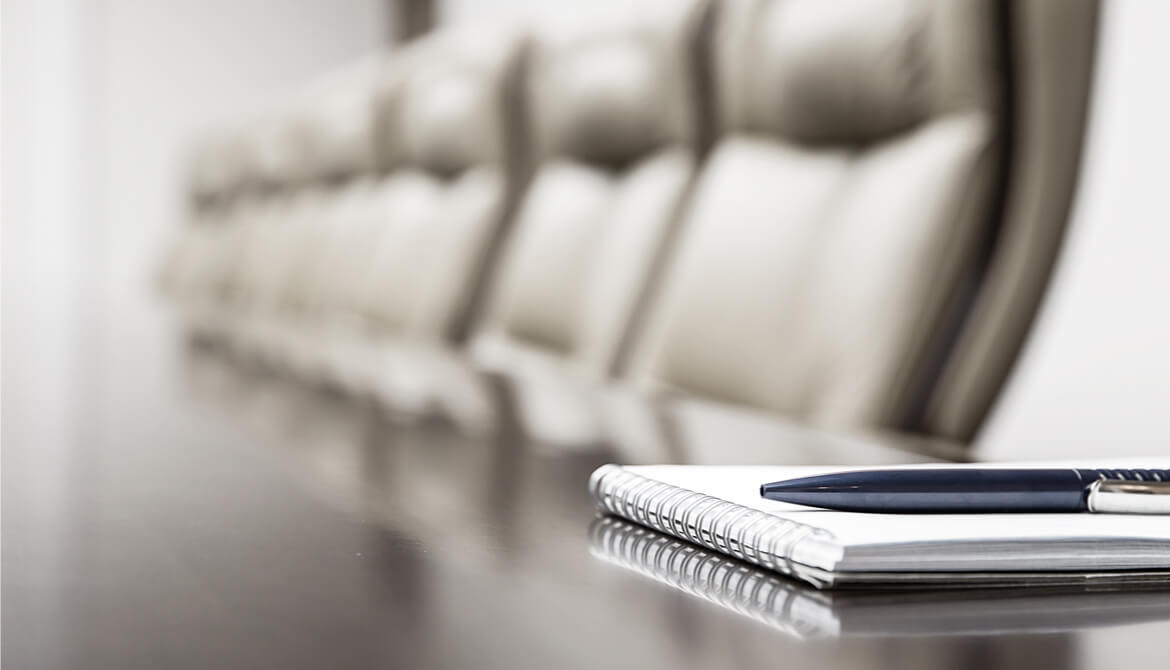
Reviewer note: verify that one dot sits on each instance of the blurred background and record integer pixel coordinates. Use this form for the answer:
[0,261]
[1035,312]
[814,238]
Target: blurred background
[941,221]
[103,102]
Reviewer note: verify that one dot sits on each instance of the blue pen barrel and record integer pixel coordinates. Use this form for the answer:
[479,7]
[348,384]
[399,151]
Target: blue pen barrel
[987,490]
[952,490]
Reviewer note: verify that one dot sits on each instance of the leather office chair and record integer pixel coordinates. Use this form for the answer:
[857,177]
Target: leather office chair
[308,152]
[452,135]
[826,260]
[902,170]
[216,175]
[242,179]
[617,133]
[615,128]
[203,265]
[190,270]
[406,263]
[1052,48]
[217,167]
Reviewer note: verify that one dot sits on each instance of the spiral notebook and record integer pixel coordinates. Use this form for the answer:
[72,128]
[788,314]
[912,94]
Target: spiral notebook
[795,609]
[718,507]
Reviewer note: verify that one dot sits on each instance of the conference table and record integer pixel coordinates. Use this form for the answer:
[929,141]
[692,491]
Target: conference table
[204,511]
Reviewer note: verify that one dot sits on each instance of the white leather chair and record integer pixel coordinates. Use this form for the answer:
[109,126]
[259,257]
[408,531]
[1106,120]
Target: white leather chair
[867,244]
[246,178]
[614,112]
[404,263]
[823,260]
[216,176]
[1052,51]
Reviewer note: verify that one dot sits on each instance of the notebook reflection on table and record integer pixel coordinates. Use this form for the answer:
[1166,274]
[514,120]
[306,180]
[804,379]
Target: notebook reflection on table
[802,611]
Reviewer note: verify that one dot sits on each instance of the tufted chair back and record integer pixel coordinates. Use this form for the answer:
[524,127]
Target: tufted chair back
[615,132]
[422,235]
[823,261]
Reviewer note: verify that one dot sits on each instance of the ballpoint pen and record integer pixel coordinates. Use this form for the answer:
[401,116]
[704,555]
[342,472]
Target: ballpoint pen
[981,490]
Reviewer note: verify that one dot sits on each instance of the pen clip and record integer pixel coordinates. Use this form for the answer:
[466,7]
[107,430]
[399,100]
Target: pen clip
[1127,496]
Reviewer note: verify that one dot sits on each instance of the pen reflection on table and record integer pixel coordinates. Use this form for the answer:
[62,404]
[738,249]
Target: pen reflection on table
[804,612]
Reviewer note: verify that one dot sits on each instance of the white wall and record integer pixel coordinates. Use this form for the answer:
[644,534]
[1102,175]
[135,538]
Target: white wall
[99,100]
[1095,377]
[44,47]
[165,70]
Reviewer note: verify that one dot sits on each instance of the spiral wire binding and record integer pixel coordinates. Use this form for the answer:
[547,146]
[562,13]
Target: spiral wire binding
[745,533]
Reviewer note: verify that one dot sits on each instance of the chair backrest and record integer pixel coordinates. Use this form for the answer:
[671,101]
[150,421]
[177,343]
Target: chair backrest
[822,261]
[217,168]
[217,176]
[256,186]
[317,133]
[866,242]
[616,136]
[448,148]
[1052,50]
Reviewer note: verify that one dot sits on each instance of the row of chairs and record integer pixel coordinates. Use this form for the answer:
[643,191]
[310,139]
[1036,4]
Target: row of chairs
[844,212]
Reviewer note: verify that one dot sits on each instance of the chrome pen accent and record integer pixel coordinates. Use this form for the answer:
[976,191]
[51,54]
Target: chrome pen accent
[1124,496]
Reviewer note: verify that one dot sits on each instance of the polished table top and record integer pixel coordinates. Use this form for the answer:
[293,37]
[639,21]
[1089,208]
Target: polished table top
[231,517]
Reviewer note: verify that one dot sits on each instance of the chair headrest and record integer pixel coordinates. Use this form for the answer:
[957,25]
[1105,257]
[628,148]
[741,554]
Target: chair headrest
[851,71]
[444,100]
[614,92]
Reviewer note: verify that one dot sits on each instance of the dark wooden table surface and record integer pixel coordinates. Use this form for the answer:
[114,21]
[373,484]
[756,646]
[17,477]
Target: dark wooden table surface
[239,519]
